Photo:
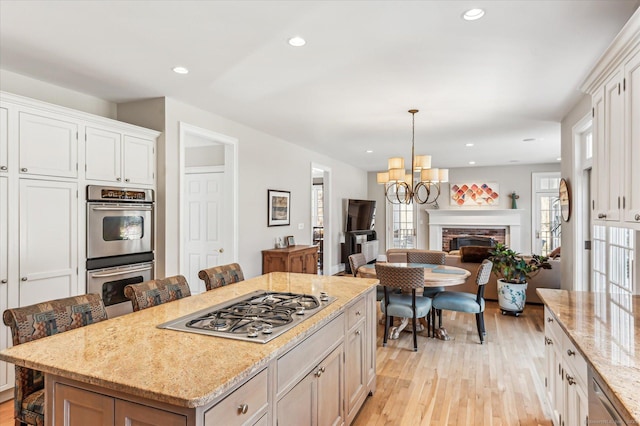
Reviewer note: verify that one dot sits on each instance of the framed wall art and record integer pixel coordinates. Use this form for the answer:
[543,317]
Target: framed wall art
[474,194]
[278,208]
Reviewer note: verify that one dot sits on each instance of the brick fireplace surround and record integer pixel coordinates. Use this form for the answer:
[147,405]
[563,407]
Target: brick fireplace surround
[498,234]
[502,224]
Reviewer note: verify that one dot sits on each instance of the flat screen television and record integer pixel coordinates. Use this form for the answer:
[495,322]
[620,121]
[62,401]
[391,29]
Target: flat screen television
[360,215]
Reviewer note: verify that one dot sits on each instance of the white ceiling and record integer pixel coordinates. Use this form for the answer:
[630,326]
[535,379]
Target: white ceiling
[510,76]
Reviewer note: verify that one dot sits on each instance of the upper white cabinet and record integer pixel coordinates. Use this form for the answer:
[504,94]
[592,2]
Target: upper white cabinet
[6,369]
[48,145]
[114,156]
[614,85]
[4,140]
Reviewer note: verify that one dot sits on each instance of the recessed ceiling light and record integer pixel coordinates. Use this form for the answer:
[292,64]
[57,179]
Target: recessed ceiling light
[468,144]
[559,158]
[528,140]
[297,41]
[369,151]
[514,161]
[181,70]
[473,14]
[472,162]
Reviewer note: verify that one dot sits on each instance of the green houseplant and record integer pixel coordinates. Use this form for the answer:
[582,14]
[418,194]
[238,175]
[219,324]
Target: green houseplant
[513,271]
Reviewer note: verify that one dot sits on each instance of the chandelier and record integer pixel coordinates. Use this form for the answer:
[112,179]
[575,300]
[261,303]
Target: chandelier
[421,186]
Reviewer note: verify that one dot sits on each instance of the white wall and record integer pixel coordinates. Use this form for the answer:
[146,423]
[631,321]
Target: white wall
[509,178]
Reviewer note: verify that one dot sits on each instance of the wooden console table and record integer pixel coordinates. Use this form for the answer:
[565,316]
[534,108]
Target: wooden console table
[301,259]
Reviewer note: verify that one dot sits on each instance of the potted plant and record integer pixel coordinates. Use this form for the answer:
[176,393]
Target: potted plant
[513,271]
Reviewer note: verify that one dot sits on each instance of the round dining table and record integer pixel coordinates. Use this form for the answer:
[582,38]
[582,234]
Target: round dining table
[434,276]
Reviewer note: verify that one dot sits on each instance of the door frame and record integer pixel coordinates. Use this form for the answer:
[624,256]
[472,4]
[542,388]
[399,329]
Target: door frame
[231,182]
[328,265]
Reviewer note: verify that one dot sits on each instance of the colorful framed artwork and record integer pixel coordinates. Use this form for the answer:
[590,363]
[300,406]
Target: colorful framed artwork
[474,194]
[278,208]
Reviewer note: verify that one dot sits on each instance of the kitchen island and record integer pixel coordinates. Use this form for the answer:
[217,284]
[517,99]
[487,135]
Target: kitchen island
[592,336]
[127,368]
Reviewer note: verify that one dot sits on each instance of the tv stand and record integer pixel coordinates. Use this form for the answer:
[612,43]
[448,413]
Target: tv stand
[365,242]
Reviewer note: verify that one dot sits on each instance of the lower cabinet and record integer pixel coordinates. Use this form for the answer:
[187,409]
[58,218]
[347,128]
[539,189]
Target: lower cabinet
[244,405]
[566,376]
[300,259]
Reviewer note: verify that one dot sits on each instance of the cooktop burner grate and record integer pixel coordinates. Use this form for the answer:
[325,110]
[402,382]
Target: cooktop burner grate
[259,316]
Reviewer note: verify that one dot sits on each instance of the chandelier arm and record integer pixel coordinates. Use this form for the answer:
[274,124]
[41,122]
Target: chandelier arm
[417,197]
[437,194]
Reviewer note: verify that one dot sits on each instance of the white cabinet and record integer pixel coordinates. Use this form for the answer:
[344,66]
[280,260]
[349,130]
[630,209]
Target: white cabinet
[48,145]
[632,139]
[48,242]
[566,376]
[6,369]
[4,140]
[243,406]
[317,398]
[355,357]
[114,156]
[612,144]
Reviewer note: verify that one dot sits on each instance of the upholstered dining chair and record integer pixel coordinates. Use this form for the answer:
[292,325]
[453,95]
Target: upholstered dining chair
[432,257]
[467,302]
[35,322]
[156,292]
[222,275]
[403,305]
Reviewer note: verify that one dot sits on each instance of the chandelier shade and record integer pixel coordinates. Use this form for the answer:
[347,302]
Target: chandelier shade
[401,187]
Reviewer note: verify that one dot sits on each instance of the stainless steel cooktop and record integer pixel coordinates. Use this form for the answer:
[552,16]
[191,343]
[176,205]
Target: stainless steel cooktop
[259,316]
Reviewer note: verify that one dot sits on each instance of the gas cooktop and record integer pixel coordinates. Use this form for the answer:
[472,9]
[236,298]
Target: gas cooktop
[259,316]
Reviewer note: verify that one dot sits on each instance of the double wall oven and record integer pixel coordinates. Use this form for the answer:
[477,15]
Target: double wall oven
[120,243]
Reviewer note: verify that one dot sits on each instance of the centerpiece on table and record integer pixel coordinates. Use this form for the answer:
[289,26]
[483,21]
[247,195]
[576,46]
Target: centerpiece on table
[513,271]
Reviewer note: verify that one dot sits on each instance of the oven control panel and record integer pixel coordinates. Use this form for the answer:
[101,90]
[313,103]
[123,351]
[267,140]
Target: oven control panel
[103,193]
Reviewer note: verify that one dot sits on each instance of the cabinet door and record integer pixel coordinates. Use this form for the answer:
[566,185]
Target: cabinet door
[576,404]
[599,179]
[78,407]
[355,368]
[330,393]
[4,140]
[6,369]
[48,145]
[130,414]
[298,407]
[632,139]
[48,240]
[311,261]
[552,380]
[103,155]
[614,140]
[371,342]
[139,160]
[296,262]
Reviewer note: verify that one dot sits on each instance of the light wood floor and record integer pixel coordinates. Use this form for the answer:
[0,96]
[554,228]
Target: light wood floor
[455,382]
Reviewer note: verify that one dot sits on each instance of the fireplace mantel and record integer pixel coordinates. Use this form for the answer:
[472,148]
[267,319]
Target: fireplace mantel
[510,219]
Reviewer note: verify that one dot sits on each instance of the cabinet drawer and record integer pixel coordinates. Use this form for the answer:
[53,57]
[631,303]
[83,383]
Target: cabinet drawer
[252,394]
[297,362]
[576,362]
[356,312]
[552,327]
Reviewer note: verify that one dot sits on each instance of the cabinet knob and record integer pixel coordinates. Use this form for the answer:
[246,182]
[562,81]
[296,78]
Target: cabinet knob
[358,333]
[570,380]
[570,352]
[24,170]
[4,281]
[358,313]
[118,179]
[24,279]
[548,341]
[220,250]
[243,408]
[637,217]
[3,168]
[126,180]
[549,319]
[601,215]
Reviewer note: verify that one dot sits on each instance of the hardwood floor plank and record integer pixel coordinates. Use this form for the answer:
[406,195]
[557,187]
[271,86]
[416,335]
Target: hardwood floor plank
[460,382]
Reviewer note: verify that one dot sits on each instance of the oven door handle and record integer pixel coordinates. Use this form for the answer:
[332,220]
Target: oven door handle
[113,274]
[122,209]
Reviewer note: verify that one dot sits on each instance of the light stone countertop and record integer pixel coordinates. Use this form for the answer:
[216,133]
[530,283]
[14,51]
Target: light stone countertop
[129,354]
[606,329]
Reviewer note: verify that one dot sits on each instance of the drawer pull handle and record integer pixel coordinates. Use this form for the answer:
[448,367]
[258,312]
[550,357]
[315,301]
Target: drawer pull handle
[24,170]
[549,319]
[4,281]
[358,313]
[3,168]
[320,371]
[24,279]
[570,380]
[243,408]
[126,180]
[570,352]
[601,215]
[118,179]
[548,341]
[637,217]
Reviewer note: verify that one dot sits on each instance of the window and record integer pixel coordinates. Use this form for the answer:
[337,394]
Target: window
[547,221]
[613,254]
[402,225]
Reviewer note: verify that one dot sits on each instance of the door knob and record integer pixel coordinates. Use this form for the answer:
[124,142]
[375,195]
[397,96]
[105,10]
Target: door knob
[221,250]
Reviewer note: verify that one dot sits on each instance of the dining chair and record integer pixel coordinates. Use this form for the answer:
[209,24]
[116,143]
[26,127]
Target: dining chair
[222,275]
[406,279]
[356,261]
[433,257]
[467,302]
[156,292]
[40,320]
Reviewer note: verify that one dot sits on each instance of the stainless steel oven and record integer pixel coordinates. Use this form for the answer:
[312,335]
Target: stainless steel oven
[119,221]
[110,283]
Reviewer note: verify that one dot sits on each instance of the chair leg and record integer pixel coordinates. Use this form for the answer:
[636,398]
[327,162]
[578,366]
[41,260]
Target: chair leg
[484,330]
[479,325]
[387,318]
[439,318]
[415,334]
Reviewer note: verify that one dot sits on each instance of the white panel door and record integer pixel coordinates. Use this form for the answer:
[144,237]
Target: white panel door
[632,109]
[139,160]
[6,369]
[204,239]
[48,146]
[48,240]
[103,155]
[4,140]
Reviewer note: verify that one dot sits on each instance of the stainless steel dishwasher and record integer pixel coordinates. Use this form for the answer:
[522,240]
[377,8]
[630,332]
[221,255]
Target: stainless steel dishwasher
[601,409]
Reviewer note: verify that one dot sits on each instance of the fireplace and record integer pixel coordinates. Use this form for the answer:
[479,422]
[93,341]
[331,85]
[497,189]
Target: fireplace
[502,225]
[454,238]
